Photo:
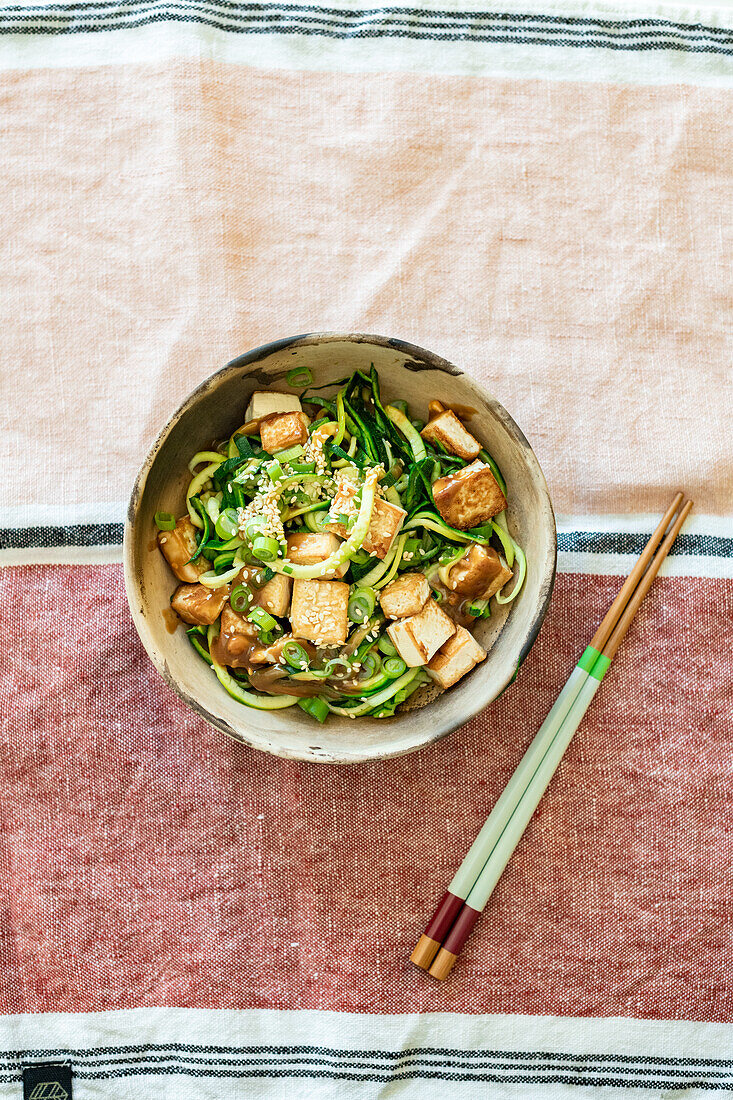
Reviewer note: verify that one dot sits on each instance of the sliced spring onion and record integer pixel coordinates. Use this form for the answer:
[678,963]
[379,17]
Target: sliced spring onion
[265,548]
[165,521]
[262,619]
[224,561]
[394,667]
[380,697]
[299,377]
[316,706]
[520,576]
[413,437]
[290,453]
[371,664]
[227,524]
[361,604]
[479,609]
[400,405]
[303,467]
[295,655]
[254,527]
[275,471]
[240,598]
[386,646]
[347,548]
[418,425]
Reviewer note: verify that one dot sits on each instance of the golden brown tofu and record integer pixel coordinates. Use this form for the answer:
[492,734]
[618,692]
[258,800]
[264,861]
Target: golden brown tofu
[319,611]
[404,596]
[199,605]
[447,429]
[419,636]
[178,546]
[469,497]
[307,549]
[274,596]
[499,580]
[386,521]
[237,639]
[455,658]
[283,430]
[472,574]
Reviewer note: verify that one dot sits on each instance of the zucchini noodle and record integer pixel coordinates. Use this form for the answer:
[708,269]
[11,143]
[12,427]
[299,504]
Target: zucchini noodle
[381,568]
[380,697]
[410,433]
[231,687]
[318,486]
[196,486]
[522,573]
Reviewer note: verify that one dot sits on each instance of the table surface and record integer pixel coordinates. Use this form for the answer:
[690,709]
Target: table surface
[540,193]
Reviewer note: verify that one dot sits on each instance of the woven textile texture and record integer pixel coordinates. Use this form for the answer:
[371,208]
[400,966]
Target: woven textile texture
[542,194]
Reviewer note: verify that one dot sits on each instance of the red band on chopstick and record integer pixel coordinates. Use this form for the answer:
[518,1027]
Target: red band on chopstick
[461,930]
[444,916]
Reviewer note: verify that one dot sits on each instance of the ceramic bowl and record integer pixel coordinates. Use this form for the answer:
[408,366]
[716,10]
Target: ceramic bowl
[213,411]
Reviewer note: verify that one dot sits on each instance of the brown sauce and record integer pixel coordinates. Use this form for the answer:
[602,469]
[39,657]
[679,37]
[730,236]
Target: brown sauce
[274,680]
[463,412]
[172,622]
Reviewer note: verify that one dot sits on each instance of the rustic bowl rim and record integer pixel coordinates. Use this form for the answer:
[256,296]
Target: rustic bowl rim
[264,351]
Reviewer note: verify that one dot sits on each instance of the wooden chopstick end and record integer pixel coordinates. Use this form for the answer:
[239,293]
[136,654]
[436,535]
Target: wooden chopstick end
[424,952]
[444,963]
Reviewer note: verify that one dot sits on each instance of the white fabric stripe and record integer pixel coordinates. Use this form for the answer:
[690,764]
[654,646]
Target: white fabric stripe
[62,555]
[153,44]
[62,515]
[356,1033]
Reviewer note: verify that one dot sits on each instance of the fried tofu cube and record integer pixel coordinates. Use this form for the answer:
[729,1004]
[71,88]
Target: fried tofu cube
[308,549]
[469,497]
[319,611]
[419,636]
[501,578]
[447,429]
[405,596]
[178,546]
[478,569]
[385,523]
[267,402]
[199,605]
[455,658]
[283,430]
[236,641]
[274,596]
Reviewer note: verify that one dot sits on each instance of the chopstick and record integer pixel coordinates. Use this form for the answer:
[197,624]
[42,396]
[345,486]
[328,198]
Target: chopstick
[481,869]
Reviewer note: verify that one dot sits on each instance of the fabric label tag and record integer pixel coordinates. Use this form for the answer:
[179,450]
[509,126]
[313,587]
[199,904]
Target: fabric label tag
[47,1082]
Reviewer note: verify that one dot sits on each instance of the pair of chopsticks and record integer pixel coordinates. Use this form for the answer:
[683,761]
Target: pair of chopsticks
[476,878]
